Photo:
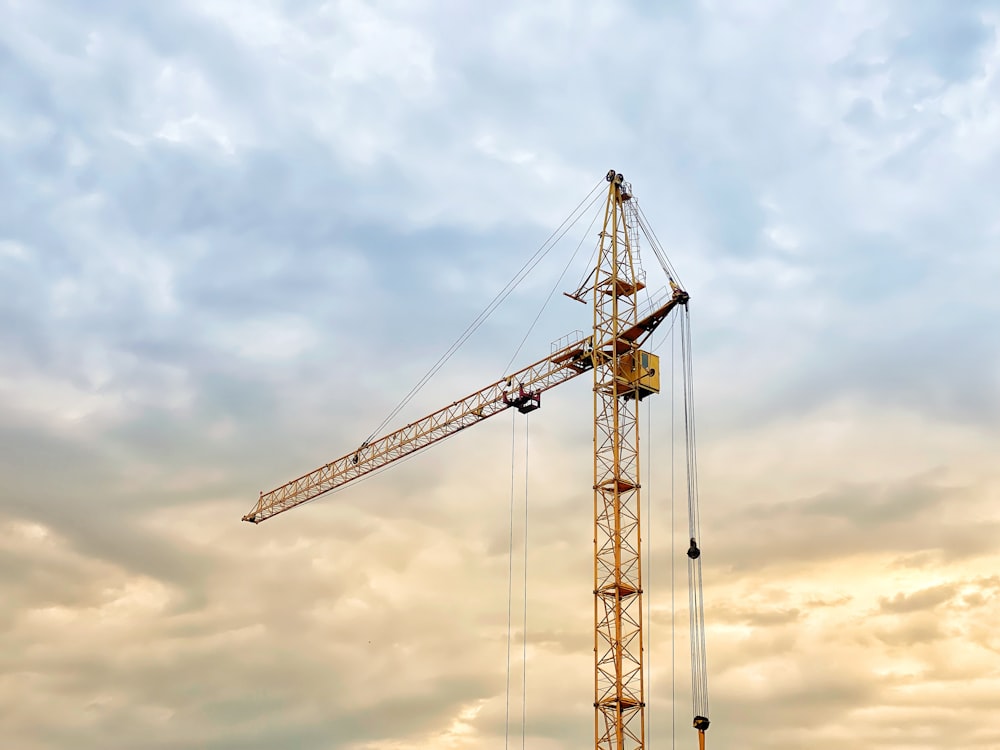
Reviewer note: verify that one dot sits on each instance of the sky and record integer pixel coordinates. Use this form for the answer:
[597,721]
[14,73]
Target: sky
[233,234]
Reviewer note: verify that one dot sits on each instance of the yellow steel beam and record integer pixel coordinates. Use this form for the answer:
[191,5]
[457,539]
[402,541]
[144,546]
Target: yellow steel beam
[619,692]
[564,364]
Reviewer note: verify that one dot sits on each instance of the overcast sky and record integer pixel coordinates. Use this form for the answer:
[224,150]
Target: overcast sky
[234,233]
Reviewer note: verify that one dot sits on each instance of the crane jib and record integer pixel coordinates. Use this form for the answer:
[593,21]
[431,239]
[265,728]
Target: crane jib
[520,390]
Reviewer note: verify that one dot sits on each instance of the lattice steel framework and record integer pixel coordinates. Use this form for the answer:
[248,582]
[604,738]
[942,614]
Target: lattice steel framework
[563,364]
[619,701]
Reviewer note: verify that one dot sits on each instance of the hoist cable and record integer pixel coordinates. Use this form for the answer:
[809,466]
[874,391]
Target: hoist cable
[524,623]
[505,292]
[654,241]
[695,593]
[510,582]
[696,606]
[648,583]
[673,544]
[586,281]
[667,333]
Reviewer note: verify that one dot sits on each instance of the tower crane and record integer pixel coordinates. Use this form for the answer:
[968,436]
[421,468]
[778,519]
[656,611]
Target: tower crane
[623,375]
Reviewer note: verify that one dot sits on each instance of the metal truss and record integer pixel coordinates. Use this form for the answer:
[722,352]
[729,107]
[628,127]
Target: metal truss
[564,364]
[619,702]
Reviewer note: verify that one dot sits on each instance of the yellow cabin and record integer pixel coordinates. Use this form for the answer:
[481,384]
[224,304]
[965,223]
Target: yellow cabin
[641,368]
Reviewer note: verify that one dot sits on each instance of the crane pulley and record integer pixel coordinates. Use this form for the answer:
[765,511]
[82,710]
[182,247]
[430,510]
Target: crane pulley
[623,374]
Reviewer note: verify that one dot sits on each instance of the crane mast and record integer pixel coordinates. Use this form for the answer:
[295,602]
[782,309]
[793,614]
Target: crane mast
[623,374]
[619,689]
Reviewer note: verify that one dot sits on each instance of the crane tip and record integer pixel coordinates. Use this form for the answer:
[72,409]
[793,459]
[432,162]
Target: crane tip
[250,518]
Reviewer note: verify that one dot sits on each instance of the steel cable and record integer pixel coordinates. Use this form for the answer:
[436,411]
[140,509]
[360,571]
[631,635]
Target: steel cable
[510,582]
[556,285]
[524,622]
[696,606]
[490,308]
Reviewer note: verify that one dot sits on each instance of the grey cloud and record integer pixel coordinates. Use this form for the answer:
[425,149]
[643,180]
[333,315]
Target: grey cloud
[915,631]
[757,617]
[866,505]
[377,212]
[919,600]
[854,520]
[949,42]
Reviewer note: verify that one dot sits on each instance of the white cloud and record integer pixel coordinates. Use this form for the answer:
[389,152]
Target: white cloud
[234,234]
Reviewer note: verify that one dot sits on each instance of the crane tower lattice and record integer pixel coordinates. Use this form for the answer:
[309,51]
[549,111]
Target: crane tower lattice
[623,375]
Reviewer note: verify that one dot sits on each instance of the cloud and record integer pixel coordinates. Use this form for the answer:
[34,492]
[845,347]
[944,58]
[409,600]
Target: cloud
[920,600]
[231,237]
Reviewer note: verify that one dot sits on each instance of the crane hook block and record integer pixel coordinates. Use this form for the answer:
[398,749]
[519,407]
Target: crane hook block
[701,723]
[693,552]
